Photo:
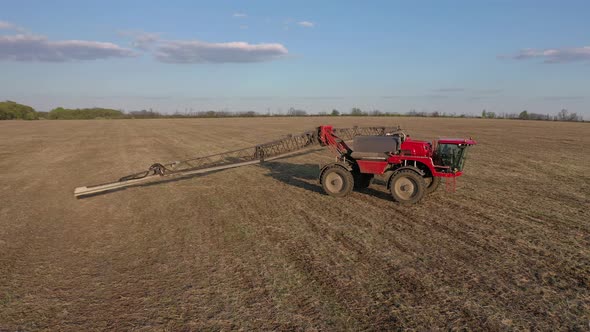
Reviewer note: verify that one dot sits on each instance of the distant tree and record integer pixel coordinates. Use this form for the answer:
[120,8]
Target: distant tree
[224,114]
[491,115]
[537,116]
[143,114]
[295,112]
[524,115]
[483,114]
[565,115]
[335,113]
[10,110]
[357,112]
[511,116]
[416,113]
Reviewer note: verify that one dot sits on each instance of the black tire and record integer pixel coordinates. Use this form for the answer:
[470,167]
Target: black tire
[432,183]
[407,187]
[337,181]
[362,181]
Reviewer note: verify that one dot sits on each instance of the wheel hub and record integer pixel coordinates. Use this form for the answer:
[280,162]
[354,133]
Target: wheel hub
[334,182]
[404,188]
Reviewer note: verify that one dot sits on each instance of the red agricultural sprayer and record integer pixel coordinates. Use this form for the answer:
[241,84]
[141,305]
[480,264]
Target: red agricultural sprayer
[411,168]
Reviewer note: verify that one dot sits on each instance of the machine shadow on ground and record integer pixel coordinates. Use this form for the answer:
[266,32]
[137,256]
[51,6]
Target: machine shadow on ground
[297,175]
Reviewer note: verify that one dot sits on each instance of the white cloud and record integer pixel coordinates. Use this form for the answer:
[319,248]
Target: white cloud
[554,55]
[180,51]
[29,47]
[38,48]
[306,24]
[142,40]
[6,25]
[145,41]
[239,15]
[10,26]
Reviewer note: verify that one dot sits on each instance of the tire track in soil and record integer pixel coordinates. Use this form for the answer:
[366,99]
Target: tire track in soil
[46,256]
[527,248]
[460,235]
[273,235]
[418,265]
[312,222]
[507,276]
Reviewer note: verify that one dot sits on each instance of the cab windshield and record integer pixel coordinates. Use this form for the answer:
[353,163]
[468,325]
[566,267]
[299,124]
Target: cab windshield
[452,155]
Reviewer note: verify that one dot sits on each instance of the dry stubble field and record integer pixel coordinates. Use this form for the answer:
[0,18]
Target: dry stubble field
[261,247]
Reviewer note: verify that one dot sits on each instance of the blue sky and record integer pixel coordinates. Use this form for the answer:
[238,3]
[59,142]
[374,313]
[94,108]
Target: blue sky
[449,56]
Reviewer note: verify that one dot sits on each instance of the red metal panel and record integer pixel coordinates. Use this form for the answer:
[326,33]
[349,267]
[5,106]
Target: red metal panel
[416,148]
[372,167]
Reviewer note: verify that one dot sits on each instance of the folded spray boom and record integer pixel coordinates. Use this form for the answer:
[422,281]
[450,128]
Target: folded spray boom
[236,158]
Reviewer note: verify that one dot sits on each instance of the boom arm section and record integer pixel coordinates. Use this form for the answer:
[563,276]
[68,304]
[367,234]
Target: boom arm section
[334,143]
[324,135]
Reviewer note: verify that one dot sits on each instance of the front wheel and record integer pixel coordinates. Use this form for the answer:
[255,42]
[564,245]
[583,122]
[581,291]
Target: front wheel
[407,187]
[337,181]
[432,183]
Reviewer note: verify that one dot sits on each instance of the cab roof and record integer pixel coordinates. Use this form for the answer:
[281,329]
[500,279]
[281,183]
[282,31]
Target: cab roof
[467,141]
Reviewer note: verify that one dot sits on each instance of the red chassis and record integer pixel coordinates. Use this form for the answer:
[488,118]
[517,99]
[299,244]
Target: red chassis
[412,168]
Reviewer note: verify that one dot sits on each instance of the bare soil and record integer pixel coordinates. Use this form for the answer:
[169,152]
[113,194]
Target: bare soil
[262,247]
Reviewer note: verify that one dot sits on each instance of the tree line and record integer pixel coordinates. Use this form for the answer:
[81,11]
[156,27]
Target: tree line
[10,110]
[61,113]
[563,115]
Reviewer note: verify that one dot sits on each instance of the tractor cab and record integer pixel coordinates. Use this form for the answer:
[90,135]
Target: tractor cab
[451,153]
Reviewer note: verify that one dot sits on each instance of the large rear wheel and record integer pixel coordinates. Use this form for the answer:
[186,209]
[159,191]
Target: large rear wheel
[337,181]
[407,187]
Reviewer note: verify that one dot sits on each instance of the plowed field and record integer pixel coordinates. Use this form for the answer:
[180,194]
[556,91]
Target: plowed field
[262,247]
